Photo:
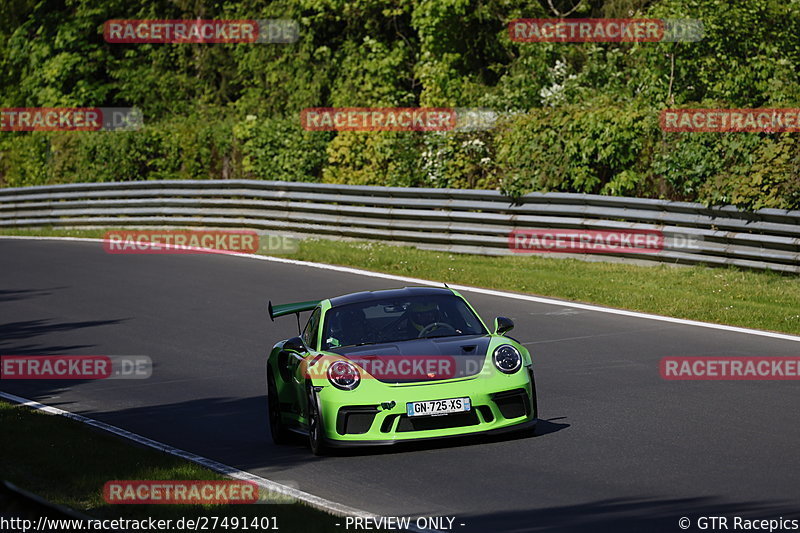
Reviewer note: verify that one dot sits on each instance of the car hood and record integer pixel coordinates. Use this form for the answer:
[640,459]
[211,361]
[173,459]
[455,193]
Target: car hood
[418,360]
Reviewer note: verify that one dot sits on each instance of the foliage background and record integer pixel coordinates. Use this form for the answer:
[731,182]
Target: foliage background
[575,117]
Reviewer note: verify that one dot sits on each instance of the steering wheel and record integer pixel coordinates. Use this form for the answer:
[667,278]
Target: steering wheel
[434,326]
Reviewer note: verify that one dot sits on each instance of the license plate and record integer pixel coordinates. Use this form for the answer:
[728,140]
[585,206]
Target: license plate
[438,407]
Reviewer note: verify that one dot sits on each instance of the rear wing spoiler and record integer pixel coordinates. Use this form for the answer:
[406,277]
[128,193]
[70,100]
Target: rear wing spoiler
[291,309]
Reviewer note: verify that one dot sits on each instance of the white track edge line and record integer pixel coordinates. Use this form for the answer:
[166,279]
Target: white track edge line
[479,290]
[309,499]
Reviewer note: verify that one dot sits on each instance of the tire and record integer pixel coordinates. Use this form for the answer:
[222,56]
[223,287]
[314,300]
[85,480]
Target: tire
[531,431]
[278,431]
[315,427]
[534,398]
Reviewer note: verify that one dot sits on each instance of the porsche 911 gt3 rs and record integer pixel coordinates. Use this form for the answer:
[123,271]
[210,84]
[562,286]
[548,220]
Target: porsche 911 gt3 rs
[382,367]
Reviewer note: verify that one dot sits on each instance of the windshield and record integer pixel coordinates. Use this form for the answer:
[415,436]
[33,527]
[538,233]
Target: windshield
[394,320]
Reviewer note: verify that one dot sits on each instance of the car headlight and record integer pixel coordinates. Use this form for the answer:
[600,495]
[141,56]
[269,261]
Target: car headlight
[344,375]
[507,359]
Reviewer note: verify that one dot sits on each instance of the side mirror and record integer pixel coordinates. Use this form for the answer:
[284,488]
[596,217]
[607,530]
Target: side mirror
[503,325]
[295,344]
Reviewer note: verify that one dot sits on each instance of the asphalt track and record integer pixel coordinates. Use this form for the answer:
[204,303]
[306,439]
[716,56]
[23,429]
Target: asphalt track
[619,448]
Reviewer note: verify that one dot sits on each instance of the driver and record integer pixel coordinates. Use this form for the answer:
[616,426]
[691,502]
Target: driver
[420,316]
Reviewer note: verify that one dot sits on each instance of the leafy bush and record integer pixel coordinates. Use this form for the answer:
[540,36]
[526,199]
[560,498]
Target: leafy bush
[600,149]
[459,160]
[374,158]
[689,161]
[194,147]
[24,159]
[279,149]
[767,177]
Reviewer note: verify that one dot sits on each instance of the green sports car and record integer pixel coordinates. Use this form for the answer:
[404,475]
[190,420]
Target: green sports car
[398,365]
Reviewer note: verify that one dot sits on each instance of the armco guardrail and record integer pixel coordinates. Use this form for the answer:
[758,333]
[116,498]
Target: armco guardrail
[471,221]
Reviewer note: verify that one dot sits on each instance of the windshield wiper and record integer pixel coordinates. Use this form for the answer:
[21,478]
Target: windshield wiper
[354,345]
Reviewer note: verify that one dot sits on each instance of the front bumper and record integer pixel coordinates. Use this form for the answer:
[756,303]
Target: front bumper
[520,426]
[375,412]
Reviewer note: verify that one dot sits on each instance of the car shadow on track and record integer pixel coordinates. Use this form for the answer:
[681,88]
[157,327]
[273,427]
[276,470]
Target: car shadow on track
[235,431]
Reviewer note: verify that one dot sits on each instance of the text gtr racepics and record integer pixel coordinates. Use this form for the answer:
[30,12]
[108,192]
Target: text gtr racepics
[396,365]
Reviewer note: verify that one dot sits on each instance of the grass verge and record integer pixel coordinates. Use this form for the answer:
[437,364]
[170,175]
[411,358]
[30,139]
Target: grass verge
[753,299]
[68,463]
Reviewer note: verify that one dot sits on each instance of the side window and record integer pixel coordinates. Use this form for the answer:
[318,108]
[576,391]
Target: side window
[311,329]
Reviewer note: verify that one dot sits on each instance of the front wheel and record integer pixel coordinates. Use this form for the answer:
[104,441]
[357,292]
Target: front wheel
[531,432]
[315,430]
[278,431]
